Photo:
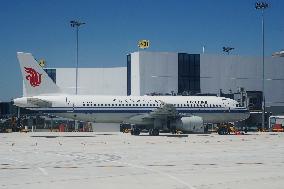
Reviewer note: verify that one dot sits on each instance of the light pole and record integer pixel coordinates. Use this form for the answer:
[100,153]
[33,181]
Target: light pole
[76,24]
[261,6]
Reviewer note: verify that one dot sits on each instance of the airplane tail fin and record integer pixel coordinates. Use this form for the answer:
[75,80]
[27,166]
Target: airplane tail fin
[36,80]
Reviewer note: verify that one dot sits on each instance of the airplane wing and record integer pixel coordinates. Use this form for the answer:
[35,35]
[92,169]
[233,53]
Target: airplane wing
[39,102]
[163,112]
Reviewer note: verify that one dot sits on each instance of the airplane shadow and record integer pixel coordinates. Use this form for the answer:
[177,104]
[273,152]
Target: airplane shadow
[167,135]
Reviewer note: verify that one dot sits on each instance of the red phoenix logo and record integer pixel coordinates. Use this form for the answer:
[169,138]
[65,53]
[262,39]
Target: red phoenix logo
[33,76]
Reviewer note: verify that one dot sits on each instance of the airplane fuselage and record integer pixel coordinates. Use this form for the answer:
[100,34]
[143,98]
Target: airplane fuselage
[117,109]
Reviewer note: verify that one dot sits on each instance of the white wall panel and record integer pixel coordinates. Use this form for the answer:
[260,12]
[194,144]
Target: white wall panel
[135,74]
[158,72]
[96,81]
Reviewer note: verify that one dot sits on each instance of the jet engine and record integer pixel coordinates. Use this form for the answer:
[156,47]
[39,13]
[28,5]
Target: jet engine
[190,124]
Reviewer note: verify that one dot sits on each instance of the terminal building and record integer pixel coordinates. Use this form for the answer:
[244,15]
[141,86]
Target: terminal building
[162,73]
[170,73]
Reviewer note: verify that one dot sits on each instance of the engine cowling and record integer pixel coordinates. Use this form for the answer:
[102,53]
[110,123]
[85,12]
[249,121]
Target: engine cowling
[191,124]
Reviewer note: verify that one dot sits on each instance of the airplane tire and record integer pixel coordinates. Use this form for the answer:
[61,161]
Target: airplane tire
[151,132]
[136,132]
[155,132]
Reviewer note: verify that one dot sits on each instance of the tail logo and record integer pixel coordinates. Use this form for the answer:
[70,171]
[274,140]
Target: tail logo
[33,76]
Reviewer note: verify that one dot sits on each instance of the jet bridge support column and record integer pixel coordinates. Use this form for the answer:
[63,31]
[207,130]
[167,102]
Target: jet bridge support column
[158,123]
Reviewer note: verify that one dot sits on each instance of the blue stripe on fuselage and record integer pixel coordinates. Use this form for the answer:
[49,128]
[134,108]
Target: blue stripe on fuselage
[131,110]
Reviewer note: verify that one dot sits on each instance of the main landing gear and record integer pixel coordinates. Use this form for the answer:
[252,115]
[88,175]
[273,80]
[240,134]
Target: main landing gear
[135,131]
[154,132]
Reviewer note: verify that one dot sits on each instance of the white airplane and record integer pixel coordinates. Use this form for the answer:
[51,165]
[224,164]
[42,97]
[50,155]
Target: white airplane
[150,112]
[278,54]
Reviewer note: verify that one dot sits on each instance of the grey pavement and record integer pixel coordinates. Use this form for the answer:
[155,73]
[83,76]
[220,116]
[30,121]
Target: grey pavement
[117,160]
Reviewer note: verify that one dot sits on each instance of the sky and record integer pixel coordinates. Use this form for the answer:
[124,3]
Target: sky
[114,27]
